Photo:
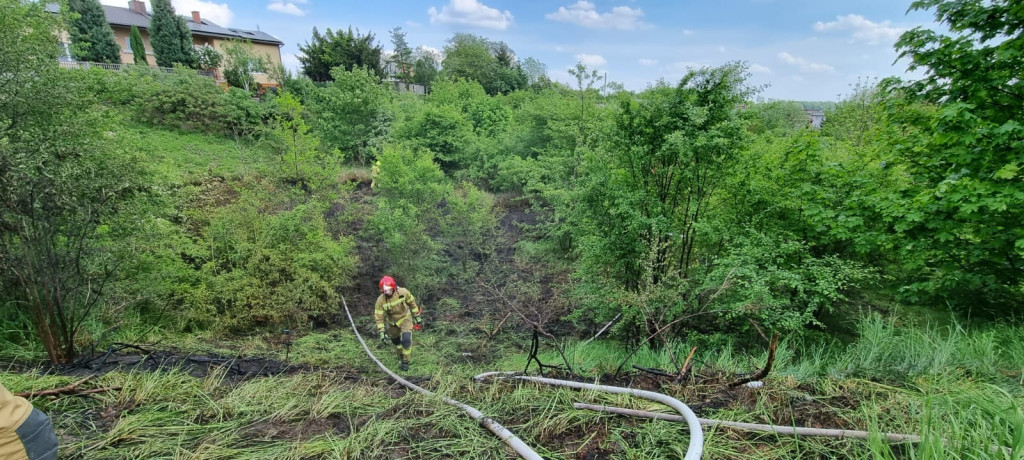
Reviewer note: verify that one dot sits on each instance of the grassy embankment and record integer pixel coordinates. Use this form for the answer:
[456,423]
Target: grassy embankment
[960,388]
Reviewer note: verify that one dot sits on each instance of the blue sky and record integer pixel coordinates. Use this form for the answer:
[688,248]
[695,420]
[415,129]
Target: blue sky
[801,49]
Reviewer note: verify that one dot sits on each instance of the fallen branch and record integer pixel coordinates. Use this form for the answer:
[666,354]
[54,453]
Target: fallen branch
[767,367]
[537,328]
[606,326]
[686,366]
[498,328]
[70,390]
[657,372]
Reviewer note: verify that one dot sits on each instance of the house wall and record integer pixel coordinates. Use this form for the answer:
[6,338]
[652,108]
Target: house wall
[272,52]
[121,36]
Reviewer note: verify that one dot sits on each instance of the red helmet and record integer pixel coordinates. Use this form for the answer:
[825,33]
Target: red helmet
[387,281]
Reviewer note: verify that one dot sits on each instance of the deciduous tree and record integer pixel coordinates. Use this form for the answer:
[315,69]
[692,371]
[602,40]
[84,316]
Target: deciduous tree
[64,175]
[962,207]
[241,62]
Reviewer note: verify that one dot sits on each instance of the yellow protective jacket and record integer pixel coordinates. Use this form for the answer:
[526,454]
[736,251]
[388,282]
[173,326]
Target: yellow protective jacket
[391,311]
[14,411]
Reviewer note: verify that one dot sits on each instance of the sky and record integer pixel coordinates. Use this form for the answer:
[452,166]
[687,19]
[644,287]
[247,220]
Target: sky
[809,50]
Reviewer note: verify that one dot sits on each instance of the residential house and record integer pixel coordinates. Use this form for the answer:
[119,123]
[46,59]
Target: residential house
[204,32]
[815,117]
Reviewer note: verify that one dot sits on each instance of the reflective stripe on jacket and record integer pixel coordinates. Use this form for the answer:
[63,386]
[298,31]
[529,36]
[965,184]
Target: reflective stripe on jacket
[394,309]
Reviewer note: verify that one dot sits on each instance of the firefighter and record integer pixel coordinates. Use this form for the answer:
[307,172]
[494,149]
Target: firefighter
[374,172]
[25,432]
[397,315]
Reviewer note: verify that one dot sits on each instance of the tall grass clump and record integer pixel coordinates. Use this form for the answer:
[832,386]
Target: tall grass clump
[885,349]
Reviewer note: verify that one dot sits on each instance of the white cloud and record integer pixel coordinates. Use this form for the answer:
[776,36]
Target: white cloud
[287,8]
[688,32]
[863,29]
[591,60]
[645,61]
[219,13]
[471,13]
[804,64]
[584,13]
[758,68]
[437,54]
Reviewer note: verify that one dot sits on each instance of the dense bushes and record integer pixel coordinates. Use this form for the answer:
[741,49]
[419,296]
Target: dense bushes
[427,231]
[181,99]
[262,268]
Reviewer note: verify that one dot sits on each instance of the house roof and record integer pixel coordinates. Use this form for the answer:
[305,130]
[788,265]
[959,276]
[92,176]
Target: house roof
[118,16]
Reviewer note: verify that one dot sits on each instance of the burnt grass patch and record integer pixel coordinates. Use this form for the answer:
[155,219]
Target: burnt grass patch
[707,392]
[238,369]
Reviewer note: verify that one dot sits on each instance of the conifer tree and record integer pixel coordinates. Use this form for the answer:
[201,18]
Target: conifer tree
[138,46]
[170,37]
[91,34]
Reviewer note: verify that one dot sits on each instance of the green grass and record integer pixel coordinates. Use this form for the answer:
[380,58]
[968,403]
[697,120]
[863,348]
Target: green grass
[959,388]
[176,157]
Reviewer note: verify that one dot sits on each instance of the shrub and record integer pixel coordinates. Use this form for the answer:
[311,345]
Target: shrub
[185,100]
[264,270]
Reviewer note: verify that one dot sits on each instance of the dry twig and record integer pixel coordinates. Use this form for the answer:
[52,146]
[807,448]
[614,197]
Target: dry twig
[70,390]
[767,367]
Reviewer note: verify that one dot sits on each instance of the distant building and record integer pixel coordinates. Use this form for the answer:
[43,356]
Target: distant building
[204,32]
[815,117]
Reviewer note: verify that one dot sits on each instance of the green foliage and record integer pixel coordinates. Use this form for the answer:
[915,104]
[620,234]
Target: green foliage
[779,283]
[170,37]
[425,68]
[780,117]
[244,117]
[411,187]
[241,60]
[402,55]
[182,99]
[91,34]
[443,130]
[649,192]
[959,213]
[263,268]
[348,50]
[66,175]
[288,135]
[27,53]
[412,176]
[138,47]
[352,113]
[492,64]
[469,232]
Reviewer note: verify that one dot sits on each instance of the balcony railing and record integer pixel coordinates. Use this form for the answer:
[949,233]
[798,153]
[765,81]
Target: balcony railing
[119,67]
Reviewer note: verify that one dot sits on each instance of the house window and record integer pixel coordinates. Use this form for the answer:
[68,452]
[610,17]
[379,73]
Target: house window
[127,45]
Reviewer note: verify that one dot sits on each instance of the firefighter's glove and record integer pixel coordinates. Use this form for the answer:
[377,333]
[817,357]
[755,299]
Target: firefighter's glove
[384,337]
[417,323]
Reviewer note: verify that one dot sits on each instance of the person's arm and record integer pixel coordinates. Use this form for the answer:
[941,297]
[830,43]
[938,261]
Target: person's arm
[378,315]
[414,309]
